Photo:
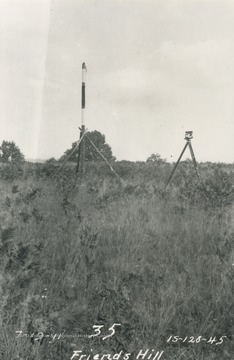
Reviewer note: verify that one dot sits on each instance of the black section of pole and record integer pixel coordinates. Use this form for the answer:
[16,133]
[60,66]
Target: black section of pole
[182,153]
[83,95]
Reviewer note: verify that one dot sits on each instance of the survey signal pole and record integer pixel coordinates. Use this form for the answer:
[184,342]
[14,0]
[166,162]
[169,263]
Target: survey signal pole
[81,152]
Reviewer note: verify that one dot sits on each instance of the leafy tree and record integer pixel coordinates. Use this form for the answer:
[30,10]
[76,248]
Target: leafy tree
[155,159]
[52,160]
[9,152]
[91,153]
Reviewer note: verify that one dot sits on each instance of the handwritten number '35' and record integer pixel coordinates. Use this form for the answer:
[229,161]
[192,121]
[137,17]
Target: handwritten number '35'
[97,329]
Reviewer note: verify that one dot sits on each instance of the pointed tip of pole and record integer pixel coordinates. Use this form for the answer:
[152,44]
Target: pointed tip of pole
[84,66]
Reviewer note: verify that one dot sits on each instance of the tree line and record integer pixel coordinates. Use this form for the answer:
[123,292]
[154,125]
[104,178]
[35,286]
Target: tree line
[11,153]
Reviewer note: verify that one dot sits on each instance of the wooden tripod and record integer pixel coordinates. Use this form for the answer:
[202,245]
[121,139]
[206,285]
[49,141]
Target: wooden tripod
[188,137]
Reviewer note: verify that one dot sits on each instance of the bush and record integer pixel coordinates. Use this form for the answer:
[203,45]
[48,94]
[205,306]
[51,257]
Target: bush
[11,171]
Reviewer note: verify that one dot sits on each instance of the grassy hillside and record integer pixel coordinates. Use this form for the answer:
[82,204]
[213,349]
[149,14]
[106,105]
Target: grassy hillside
[94,251]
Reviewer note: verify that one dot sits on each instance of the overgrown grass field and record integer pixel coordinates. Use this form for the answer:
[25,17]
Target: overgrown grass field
[96,251]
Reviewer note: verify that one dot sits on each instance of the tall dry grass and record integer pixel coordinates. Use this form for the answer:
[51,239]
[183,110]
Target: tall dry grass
[77,253]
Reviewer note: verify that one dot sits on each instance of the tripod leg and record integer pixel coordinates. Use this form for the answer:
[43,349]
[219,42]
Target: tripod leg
[182,153]
[194,160]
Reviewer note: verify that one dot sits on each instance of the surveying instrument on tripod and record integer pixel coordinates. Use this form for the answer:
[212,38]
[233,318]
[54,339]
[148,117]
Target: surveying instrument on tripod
[188,138]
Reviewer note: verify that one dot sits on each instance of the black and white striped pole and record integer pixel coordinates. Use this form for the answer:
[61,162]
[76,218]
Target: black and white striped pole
[81,151]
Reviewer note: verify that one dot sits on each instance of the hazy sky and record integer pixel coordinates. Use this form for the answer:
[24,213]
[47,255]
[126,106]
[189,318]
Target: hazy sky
[155,70]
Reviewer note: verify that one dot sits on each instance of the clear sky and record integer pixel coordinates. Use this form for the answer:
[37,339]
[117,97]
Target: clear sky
[155,70]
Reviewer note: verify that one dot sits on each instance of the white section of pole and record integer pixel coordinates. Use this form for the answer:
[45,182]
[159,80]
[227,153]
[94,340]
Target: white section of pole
[84,70]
